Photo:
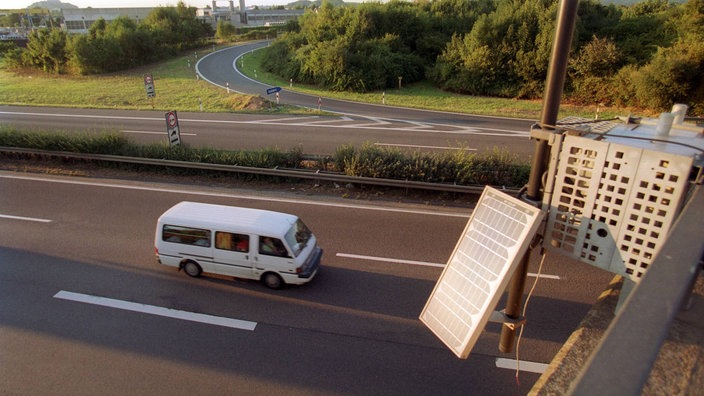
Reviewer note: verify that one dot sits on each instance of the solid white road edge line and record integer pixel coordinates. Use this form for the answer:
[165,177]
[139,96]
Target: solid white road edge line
[429,212]
[423,263]
[158,311]
[25,218]
[532,367]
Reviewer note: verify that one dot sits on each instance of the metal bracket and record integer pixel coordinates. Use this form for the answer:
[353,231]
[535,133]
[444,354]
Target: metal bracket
[501,317]
[536,132]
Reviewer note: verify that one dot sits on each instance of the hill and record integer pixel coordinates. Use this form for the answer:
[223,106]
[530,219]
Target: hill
[52,5]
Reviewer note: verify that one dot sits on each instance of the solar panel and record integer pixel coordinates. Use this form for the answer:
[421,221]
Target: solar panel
[493,242]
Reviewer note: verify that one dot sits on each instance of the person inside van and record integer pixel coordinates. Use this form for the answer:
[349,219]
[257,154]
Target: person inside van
[242,243]
[272,246]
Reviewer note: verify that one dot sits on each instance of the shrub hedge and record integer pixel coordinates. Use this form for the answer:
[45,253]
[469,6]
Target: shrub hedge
[460,166]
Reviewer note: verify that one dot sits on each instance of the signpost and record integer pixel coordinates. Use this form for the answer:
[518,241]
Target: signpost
[270,91]
[149,85]
[172,128]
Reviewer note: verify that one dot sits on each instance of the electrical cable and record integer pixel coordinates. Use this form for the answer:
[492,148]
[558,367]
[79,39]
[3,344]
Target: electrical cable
[525,307]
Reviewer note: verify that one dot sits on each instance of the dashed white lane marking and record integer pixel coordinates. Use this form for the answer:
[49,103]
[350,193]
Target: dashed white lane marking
[390,260]
[158,311]
[512,364]
[425,147]
[157,133]
[24,218]
[422,263]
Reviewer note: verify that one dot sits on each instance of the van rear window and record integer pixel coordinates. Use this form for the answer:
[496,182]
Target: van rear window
[186,235]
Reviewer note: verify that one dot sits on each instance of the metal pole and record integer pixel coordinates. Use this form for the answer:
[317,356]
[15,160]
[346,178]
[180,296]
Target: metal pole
[567,16]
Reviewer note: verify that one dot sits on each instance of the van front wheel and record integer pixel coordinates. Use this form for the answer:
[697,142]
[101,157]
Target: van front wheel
[192,269]
[272,280]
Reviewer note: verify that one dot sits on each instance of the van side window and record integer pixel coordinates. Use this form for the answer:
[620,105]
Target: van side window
[272,247]
[186,235]
[231,241]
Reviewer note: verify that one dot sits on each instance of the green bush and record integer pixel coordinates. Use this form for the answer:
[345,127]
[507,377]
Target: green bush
[498,167]
[75,143]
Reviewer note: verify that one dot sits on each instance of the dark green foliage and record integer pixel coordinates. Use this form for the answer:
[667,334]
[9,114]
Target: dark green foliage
[673,76]
[224,30]
[500,48]
[177,28]
[7,46]
[109,47]
[361,48]
[118,45]
[652,58]
[505,54]
[279,60]
[46,50]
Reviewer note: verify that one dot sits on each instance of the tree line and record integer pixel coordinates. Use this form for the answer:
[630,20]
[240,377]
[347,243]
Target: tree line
[649,54]
[113,46]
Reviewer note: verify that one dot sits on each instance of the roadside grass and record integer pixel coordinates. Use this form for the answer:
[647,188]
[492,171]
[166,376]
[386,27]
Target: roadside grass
[425,96]
[177,88]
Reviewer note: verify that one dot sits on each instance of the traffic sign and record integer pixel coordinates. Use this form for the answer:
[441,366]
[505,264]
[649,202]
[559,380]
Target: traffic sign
[270,91]
[149,86]
[172,128]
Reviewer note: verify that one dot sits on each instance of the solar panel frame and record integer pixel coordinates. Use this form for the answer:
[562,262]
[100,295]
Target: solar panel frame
[496,237]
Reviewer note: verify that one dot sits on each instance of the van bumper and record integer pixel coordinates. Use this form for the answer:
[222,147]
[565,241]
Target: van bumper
[313,264]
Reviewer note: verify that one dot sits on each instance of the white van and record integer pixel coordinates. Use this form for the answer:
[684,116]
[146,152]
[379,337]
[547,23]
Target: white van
[276,248]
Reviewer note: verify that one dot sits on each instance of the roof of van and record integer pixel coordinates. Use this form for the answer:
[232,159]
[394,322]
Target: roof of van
[228,218]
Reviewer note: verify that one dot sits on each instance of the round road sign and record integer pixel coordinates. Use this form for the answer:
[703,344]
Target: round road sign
[171,119]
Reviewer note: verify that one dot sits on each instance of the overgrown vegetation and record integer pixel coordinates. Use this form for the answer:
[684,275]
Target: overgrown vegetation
[497,168]
[118,45]
[648,55]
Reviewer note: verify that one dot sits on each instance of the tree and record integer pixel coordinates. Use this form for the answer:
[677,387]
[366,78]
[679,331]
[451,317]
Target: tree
[598,58]
[176,29]
[46,50]
[514,42]
[675,75]
[224,30]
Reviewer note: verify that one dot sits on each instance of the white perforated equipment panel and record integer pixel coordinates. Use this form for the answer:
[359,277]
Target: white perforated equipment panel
[613,205]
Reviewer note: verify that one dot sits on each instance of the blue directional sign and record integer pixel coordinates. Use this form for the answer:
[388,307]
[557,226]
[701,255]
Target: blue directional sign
[270,91]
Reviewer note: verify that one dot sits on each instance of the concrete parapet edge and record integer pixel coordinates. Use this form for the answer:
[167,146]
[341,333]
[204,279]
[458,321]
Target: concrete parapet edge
[570,359]
[678,369]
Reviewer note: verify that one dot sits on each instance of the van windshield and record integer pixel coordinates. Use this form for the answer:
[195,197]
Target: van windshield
[297,237]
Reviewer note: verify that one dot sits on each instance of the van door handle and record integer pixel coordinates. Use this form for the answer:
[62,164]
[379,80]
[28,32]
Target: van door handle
[246,257]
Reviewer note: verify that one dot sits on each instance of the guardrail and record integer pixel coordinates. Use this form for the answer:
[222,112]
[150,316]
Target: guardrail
[277,172]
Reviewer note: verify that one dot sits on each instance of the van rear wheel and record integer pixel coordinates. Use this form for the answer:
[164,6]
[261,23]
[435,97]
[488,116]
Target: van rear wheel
[272,280]
[192,269]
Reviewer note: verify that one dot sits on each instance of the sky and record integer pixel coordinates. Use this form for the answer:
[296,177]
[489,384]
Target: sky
[18,4]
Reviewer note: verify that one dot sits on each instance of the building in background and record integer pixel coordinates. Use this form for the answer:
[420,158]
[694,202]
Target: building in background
[79,20]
